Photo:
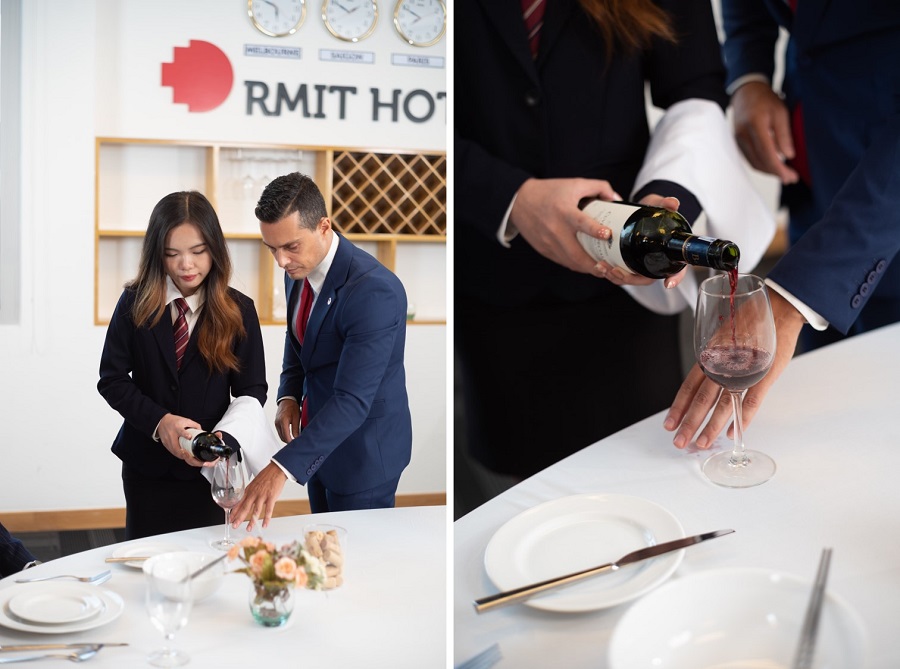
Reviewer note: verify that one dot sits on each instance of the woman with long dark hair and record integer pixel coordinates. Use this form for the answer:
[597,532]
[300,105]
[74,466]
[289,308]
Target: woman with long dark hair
[180,345]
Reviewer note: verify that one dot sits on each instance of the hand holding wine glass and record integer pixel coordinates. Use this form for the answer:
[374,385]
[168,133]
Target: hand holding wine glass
[734,342]
[227,486]
[169,602]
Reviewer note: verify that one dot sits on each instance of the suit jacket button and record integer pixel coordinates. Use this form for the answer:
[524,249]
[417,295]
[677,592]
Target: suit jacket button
[864,289]
[533,98]
[872,278]
[881,266]
[856,301]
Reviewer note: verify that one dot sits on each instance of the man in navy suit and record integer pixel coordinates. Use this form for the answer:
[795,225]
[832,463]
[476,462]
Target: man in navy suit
[14,557]
[842,102]
[343,364]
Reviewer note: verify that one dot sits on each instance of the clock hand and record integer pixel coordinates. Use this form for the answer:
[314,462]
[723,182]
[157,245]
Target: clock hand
[337,4]
[273,5]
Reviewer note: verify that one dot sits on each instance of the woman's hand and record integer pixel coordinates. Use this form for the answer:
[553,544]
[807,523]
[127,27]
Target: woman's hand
[171,427]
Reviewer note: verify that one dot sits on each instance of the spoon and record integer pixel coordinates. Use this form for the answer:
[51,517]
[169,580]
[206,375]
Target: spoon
[74,656]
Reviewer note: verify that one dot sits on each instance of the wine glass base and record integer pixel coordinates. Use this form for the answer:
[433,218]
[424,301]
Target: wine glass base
[223,544]
[755,468]
[168,657]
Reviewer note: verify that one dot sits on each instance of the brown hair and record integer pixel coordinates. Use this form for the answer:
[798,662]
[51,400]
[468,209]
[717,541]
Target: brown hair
[289,193]
[221,322]
[630,24]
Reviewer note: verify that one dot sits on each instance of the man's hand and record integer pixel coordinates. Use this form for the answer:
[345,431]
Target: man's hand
[287,420]
[762,129]
[171,427]
[698,395]
[260,497]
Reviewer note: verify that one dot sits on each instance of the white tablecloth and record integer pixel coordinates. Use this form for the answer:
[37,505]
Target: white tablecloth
[832,424]
[389,613]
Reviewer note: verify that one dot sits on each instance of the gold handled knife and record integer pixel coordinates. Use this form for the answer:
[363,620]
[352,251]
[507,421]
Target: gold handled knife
[135,558]
[526,591]
[14,648]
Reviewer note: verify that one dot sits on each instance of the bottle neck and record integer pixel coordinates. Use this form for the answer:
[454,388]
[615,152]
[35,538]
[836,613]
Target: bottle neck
[703,251]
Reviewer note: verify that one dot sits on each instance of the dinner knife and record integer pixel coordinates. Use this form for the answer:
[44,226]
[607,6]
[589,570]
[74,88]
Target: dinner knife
[526,591]
[136,558]
[53,646]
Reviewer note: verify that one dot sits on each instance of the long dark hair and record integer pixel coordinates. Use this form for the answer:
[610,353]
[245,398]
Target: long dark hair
[631,24]
[221,323]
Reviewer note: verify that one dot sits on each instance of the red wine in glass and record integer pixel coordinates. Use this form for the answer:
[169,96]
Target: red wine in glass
[735,367]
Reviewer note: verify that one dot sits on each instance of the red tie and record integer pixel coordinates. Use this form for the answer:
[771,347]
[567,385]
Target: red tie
[306,300]
[800,161]
[533,13]
[181,332]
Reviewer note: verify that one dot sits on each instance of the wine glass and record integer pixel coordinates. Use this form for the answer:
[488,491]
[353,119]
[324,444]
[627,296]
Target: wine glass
[169,605]
[227,488]
[734,342]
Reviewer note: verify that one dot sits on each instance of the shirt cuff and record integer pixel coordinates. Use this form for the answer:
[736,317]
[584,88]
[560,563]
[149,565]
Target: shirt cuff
[284,469]
[812,317]
[507,231]
[746,79]
[285,397]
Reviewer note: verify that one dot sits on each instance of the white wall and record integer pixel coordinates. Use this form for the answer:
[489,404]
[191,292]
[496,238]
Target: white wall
[55,429]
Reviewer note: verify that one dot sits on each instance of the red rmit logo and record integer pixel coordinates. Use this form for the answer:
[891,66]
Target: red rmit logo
[200,76]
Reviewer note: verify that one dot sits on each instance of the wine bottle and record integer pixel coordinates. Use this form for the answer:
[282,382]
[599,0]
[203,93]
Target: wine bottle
[652,241]
[205,446]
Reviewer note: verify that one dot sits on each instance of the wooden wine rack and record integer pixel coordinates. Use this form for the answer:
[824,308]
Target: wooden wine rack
[389,193]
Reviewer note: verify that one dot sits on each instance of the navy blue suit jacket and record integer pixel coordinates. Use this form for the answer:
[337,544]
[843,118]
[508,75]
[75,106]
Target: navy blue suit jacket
[139,379]
[13,554]
[843,64]
[350,368]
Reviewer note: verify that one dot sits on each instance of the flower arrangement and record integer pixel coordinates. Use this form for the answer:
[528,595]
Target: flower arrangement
[276,569]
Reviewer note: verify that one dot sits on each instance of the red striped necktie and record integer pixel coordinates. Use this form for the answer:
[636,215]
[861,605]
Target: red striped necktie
[181,332]
[306,300]
[533,13]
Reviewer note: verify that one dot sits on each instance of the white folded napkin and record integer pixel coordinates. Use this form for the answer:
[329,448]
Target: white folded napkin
[245,421]
[692,145]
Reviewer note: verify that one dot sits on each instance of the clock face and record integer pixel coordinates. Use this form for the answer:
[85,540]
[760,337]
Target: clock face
[277,18]
[420,22]
[350,20]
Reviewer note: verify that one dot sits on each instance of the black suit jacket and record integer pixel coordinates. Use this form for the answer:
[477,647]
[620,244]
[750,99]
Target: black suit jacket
[570,113]
[139,379]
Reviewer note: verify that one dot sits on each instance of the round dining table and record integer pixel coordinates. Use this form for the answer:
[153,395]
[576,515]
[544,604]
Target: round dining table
[832,424]
[390,611]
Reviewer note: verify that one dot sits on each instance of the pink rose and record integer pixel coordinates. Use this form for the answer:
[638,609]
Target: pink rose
[258,561]
[286,569]
[301,578]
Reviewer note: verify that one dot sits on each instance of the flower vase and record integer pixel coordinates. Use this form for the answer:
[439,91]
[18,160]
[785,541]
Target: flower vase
[271,606]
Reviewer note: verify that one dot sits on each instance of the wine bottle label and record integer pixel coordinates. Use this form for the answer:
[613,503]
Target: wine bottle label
[614,216]
[696,251]
[185,442]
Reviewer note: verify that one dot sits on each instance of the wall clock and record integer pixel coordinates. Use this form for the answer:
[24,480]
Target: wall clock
[350,20]
[277,18]
[420,22]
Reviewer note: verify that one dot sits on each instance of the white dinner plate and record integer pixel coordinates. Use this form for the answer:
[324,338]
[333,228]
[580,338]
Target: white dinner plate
[55,604]
[730,618]
[578,532]
[144,549]
[112,606]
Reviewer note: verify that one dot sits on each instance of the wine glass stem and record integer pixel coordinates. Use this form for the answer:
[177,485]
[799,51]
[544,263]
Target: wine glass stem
[227,525]
[737,454]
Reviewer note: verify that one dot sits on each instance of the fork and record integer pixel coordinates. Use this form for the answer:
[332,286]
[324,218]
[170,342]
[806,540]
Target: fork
[102,577]
[75,656]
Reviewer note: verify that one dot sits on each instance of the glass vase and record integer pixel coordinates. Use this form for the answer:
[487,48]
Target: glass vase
[271,607]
